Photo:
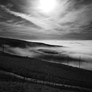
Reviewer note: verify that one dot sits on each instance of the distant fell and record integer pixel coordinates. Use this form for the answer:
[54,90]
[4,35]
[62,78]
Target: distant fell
[22,43]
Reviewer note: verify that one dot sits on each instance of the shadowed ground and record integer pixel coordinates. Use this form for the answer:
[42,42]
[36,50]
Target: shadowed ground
[46,71]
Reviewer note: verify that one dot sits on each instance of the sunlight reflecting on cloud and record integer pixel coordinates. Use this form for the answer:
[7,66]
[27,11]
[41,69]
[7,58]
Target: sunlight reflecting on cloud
[66,19]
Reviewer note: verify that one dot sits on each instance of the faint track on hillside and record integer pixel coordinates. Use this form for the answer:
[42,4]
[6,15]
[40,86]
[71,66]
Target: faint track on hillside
[33,80]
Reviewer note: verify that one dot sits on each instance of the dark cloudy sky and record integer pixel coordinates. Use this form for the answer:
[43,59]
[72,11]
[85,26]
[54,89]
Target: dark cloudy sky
[71,19]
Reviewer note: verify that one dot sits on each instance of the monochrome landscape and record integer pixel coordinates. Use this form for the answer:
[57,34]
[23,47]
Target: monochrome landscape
[45,45]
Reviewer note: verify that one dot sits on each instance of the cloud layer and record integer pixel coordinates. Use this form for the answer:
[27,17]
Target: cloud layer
[72,19]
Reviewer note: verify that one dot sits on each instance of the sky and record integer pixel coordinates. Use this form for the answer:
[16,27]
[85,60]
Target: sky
[61,19]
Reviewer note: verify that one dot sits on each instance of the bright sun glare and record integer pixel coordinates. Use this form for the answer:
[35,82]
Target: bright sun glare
[46,6]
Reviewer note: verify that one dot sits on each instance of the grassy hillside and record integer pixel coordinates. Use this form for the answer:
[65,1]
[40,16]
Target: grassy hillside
[14,83]
[57,73]
[41,69]
[28,87]
[35,49]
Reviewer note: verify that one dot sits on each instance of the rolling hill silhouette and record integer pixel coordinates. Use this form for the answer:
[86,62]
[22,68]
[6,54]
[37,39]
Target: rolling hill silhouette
[42,69]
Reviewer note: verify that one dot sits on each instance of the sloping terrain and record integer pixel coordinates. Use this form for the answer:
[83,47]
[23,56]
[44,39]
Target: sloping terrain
[43,63]
[22,43]
[46,71]
[38,50]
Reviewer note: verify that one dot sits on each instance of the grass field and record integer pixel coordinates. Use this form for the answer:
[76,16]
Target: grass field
[32,74]
[46,71]
[11,83]
[27,87]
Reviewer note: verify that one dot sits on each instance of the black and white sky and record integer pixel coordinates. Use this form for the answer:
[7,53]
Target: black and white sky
[23,19]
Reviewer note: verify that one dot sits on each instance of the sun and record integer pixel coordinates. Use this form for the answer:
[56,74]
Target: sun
[47,6]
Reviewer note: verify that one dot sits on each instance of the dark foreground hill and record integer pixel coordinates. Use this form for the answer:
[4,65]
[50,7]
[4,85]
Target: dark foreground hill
[43,71]
[46,71]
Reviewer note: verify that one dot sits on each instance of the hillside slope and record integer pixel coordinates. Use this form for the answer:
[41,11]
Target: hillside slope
[46,71]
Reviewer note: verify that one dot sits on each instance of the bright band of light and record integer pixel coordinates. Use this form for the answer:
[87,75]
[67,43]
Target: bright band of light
[46,6]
